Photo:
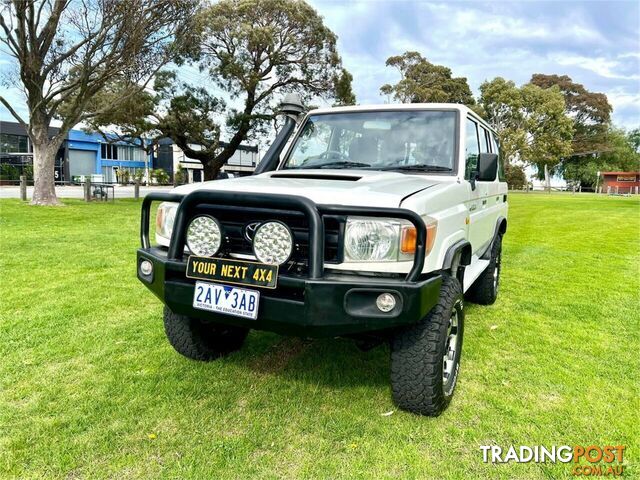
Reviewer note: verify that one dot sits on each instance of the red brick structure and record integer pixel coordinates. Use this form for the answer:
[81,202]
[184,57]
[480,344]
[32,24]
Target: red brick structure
[620,182]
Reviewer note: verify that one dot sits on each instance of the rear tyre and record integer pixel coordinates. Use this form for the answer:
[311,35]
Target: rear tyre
[425,357]
[484,290]
[201,340]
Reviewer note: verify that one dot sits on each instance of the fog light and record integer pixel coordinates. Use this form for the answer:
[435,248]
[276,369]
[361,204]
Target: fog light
[385,302]
[146,268]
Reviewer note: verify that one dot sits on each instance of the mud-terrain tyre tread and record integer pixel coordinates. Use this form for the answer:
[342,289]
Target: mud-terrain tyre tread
[199,340]
[417,354]
[482,291]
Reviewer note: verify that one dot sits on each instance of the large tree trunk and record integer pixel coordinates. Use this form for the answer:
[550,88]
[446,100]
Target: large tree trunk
[44,156]
[547,179]
[211,169]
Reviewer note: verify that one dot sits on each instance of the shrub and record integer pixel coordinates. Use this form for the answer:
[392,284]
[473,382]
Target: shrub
[180,177]
[160,176]
[9,172]
[515,176]
[137,175]
[123,176]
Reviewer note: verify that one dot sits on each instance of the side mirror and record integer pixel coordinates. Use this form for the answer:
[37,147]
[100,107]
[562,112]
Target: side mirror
[487,167]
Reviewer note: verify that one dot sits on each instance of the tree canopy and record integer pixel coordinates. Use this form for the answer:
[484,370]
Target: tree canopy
[68,52]
[621,155]
[590,112]
[254,52]
[530,121]
[422,81]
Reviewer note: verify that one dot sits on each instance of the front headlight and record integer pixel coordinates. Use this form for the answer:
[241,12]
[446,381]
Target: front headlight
[165,217]
[382,239]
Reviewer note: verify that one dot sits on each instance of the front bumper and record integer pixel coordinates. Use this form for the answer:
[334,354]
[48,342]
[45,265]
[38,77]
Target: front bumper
[334,305]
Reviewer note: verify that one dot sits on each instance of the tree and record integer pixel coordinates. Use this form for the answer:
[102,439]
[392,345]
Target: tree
[530,121]
[621,155]
[343,91]
[255,51]
[67,51]
[515,176]
[634,139]
[422,81]
[590,111]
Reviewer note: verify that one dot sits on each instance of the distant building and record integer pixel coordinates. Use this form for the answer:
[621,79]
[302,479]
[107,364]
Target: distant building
[170,157]
[16,152]
[83,154]
[80,154]
[620,182]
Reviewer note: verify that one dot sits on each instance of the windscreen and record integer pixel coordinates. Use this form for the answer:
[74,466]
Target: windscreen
[382,140]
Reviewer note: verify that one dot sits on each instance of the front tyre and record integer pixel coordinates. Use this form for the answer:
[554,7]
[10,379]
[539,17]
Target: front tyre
[484,290]
[425,357]
[201,340]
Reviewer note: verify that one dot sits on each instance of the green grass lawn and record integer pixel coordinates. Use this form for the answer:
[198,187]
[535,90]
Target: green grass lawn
[90,388]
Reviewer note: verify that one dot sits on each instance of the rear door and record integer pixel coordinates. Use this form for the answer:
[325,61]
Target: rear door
[481,215]
[491,201]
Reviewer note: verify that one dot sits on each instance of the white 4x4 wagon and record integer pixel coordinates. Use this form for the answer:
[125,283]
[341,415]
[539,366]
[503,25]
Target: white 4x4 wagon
[364,222]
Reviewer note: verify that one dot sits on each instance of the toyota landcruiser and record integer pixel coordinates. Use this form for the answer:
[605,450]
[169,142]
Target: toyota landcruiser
[368,222]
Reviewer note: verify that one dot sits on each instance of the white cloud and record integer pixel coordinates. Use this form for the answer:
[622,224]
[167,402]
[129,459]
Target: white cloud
[605,67]
[626,107]
[461,20]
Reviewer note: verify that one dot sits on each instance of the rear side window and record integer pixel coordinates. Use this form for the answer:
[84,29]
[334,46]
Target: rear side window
[496,149]
[484,140]
[472,148]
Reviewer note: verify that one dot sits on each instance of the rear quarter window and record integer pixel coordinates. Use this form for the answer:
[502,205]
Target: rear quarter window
[496,149]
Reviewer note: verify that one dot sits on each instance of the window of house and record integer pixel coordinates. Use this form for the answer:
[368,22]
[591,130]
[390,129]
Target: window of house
[10,143]
[108,151]
[131,153]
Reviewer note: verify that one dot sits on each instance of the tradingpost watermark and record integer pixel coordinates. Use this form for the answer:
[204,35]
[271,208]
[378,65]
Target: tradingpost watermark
[589,461]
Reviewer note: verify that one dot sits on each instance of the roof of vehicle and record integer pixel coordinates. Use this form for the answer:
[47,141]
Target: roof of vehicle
[463,109]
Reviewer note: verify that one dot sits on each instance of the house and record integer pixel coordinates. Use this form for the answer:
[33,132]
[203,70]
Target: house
[83,153]
[80,154]
[620,182]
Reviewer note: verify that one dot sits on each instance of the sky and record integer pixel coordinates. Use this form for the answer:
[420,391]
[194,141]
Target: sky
[596,43]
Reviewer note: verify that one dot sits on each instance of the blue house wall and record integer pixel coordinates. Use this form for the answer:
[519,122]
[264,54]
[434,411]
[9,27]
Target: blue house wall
[81,140]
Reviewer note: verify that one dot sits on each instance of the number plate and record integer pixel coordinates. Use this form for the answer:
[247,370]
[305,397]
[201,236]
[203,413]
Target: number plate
[237,272]
[226,299]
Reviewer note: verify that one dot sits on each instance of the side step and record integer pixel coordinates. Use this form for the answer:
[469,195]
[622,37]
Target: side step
[473,271]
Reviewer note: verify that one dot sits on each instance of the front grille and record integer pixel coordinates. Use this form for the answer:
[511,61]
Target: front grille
[234,221]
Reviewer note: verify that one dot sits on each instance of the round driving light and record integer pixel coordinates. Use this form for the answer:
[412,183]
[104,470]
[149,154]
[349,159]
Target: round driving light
[273,243]
[146,268]
[385,302]
[204,236]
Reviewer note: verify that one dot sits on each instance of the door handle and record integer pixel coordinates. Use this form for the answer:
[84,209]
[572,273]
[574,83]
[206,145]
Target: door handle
[484,202]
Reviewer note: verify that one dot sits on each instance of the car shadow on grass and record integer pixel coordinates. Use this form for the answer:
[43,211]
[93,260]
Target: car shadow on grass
[331,362]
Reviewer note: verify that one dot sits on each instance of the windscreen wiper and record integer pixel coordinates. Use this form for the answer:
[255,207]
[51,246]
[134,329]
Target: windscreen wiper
[419,168]
[338,164]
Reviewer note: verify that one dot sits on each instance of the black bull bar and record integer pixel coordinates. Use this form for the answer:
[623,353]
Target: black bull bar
[313,212]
